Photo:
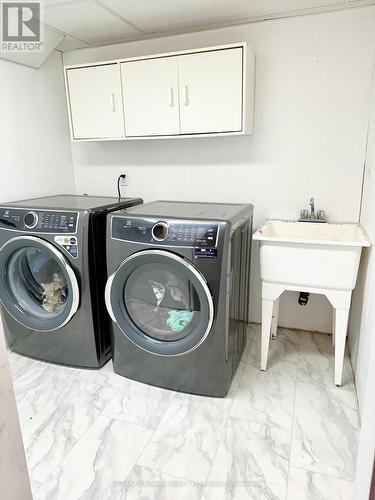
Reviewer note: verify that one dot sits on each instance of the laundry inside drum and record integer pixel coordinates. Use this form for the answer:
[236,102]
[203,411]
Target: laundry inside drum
[162,302]
[37,282]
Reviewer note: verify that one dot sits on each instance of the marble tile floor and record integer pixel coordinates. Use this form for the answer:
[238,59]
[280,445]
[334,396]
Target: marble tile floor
[288,433]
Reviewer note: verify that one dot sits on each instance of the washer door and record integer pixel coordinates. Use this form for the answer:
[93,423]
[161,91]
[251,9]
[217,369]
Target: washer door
[38,288]
[161,302]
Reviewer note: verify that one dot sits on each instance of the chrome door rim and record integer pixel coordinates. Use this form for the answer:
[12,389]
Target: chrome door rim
[191,268]
[72,277]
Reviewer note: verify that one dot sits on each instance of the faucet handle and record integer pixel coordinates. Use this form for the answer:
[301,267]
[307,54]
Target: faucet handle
[304,214]
[321,215]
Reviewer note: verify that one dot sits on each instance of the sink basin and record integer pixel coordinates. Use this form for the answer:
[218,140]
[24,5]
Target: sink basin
[300,232]
[313,254]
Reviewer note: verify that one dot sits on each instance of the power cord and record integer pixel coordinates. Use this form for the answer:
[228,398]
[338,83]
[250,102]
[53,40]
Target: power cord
[122,176]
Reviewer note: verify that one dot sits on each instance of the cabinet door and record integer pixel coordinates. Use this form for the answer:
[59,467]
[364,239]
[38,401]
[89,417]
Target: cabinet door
[95,102]
[211,91]
[150,93]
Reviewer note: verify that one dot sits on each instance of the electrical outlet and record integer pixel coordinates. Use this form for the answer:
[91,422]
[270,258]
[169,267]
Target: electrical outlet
[124,182]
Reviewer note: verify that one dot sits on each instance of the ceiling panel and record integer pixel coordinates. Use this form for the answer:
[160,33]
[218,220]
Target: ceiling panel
[49,3]
[171,15]
[70,43]
[87,21]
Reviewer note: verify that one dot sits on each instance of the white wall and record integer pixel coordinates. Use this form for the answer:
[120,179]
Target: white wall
[34,143]
[313,81]
[35,161]
[362,329]
[362,326]
[366,449]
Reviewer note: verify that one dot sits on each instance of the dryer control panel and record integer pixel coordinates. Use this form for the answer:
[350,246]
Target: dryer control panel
[181,233]
[38,221]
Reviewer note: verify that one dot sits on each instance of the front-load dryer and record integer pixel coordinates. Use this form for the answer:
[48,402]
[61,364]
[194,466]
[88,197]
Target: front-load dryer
[178,293]
[52,278]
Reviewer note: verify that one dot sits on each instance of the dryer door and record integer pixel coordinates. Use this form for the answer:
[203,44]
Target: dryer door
[161,302]
[38,287]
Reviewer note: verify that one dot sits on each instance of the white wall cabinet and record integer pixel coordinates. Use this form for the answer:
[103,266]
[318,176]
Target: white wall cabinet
[95,103]
[211,91]
[150,93]
[203,92]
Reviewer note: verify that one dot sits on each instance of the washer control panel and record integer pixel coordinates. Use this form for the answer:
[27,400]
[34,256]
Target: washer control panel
[38,221]
[164,232]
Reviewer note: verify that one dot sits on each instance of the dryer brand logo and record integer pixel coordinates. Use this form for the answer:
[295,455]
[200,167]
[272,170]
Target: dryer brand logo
[21,27]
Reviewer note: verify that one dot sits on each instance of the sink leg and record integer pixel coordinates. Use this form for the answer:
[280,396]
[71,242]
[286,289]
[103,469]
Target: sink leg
[334,327]
[341,326]
[275,317]
[267,309]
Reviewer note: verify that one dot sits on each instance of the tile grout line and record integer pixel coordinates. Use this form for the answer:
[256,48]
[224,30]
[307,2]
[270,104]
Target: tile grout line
[84,433]
[124,422]
[330,358]
[114,396]
[151,436]
[266,424]
[144,447]
[325,387]
[355,385]
[229,411]
[294,408]
[189,482]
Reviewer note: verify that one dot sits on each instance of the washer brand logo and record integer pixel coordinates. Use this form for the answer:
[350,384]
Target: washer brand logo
[21,27]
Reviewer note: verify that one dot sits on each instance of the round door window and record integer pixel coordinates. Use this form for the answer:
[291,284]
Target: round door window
[39,289]
[161,302]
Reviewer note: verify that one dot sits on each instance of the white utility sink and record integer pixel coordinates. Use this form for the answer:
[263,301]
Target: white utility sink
[311,253]
[309,257]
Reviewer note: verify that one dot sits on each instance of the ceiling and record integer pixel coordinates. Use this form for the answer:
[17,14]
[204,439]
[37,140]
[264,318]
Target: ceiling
[94,22]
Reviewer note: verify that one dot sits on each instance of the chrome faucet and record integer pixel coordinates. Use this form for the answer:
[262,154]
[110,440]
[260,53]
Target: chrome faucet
[312,208]
[305,216]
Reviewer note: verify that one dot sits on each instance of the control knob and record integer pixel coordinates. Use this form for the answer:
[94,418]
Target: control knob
[31,220]
[160,231]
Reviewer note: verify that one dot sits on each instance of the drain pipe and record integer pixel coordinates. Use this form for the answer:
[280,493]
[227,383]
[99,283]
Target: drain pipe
[303,298]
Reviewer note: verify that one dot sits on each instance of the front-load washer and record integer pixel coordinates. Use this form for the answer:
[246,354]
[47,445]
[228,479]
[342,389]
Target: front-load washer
[178,293]
[52,278]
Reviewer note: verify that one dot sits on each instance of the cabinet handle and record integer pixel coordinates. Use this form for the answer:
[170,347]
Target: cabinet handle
[112,98]
[186,95]
[170,97]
